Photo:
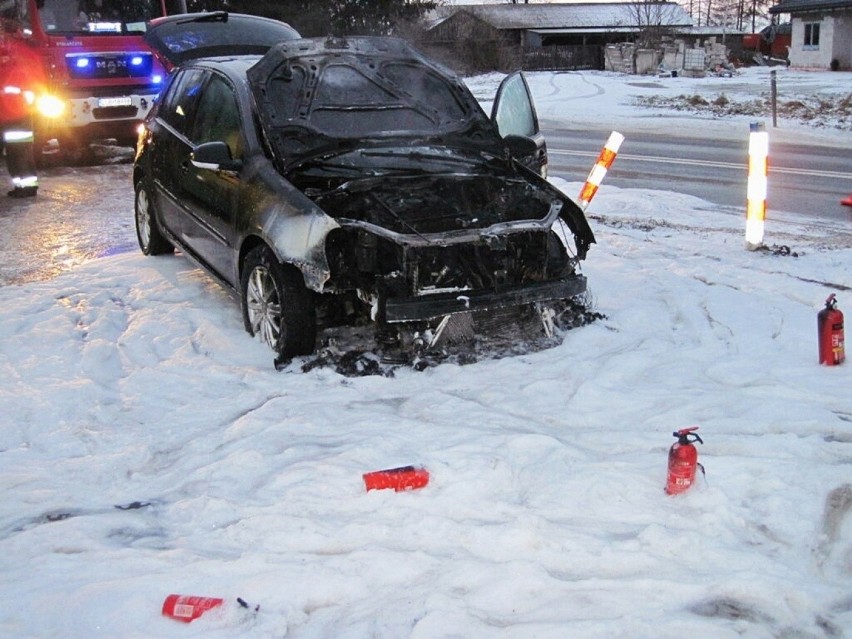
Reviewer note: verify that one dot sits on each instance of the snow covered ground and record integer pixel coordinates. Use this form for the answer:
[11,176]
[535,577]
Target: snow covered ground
[148,447]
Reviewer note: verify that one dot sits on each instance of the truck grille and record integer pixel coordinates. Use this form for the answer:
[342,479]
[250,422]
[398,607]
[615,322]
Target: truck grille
[109,65]
[115,113]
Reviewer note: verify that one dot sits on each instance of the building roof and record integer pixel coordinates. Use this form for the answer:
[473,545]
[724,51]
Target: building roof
[800,6]
[578,16]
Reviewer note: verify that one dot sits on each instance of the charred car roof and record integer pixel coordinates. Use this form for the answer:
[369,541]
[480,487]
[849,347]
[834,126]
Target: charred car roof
[319,94]
[184,37]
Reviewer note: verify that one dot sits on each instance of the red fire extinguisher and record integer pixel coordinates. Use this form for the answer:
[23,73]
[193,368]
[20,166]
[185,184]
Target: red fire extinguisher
[683,461]
[830,329]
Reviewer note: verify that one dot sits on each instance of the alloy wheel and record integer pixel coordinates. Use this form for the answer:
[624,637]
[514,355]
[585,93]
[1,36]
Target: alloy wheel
[263,304]
[143,218]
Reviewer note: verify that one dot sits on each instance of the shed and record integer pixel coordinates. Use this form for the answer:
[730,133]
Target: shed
[533,31]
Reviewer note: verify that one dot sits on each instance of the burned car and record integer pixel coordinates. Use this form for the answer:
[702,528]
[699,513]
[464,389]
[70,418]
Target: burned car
[345,181]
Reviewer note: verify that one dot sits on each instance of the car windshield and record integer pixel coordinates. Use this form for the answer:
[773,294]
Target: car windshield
[320,97]
[84,17]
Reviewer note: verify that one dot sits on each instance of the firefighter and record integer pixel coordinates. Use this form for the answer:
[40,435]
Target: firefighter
[19,142]
[18,88]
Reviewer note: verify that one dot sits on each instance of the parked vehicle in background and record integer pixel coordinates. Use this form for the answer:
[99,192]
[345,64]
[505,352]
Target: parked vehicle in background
[355,182]
[100,77]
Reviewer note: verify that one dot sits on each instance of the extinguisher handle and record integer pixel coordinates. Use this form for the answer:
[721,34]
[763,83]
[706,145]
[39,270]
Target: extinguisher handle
[687,435]
[684,431]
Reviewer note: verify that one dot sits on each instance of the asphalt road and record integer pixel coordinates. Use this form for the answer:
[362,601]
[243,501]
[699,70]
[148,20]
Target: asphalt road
[802,179]
[82,213]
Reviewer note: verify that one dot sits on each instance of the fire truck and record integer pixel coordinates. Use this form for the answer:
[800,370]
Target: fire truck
[98,78]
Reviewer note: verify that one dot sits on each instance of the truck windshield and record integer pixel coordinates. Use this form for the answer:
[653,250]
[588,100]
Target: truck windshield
[80,17]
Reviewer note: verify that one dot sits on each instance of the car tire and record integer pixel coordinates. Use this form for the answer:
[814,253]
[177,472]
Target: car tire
[277,306]
[148,233]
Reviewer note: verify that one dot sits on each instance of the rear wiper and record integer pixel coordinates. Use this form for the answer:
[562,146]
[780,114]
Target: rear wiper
[213,16]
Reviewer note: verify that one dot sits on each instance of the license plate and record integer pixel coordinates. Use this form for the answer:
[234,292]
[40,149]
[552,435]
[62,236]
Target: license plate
[114,102]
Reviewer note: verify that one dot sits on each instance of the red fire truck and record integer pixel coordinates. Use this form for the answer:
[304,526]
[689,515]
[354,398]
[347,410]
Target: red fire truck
[98,77]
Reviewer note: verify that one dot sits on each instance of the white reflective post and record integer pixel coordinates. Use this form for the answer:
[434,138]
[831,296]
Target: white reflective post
[758,165]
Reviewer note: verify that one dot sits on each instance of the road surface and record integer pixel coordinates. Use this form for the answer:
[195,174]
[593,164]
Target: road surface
[82,213]
[809,180]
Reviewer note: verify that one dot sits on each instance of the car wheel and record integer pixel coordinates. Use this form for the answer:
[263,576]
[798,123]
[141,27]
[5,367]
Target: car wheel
[151,240]
[277,306]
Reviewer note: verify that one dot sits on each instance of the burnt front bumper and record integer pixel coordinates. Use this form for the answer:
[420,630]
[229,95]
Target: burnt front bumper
[426,307]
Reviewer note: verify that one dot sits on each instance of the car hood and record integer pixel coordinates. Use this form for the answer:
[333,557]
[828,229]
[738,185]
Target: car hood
[316,96]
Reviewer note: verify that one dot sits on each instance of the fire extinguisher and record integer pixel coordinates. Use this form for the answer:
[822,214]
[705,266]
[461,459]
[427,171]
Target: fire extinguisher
[683,461]
[830,329]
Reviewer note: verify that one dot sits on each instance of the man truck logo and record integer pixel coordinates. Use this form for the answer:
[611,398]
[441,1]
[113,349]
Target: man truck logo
[112,66]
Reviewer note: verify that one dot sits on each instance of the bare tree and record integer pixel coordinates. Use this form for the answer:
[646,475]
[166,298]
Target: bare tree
[653,19]
[738,14]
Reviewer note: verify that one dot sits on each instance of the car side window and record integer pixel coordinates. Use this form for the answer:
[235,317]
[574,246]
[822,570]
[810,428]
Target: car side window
[218,116]
[179,103]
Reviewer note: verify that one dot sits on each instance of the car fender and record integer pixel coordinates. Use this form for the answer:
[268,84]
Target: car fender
[293,227]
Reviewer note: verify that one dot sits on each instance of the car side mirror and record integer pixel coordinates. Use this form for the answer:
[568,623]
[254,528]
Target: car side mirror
[215,156]
[520,145]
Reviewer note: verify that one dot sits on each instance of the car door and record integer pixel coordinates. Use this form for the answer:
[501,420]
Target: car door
[514,115]
[170,146]
[210,195]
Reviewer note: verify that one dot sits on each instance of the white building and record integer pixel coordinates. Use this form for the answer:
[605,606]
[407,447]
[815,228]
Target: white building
[822,33]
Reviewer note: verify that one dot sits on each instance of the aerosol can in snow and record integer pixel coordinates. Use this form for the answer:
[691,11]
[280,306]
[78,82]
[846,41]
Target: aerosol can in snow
[683,461]
[830,329]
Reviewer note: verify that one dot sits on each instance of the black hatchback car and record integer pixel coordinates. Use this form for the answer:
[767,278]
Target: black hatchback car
[345,181]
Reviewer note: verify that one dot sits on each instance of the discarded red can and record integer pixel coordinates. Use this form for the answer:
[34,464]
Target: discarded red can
[402,478]
[187,608]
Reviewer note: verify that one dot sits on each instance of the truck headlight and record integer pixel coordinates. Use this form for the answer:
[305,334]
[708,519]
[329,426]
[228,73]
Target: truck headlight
[50,106]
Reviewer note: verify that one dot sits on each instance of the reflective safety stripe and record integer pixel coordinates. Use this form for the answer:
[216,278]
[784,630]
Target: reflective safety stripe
[11,137]
[24,182]
[29,96]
